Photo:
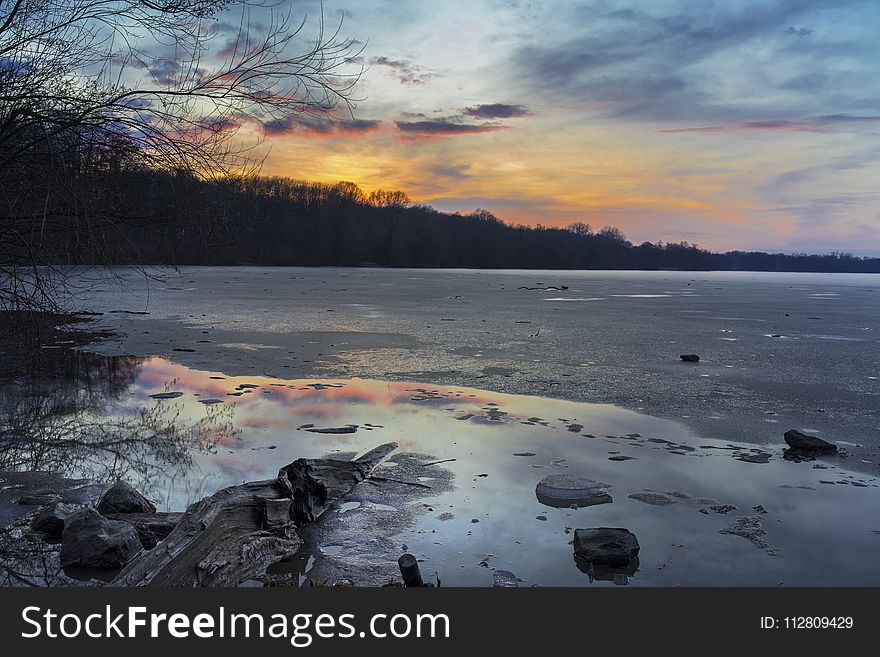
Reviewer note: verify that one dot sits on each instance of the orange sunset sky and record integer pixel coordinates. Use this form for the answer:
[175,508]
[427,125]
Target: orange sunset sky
[732,124]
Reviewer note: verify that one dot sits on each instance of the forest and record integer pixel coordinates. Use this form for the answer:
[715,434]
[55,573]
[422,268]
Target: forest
[117,215]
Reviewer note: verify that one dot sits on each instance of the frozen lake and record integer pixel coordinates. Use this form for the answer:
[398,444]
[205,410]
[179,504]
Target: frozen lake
[490,381]
[610,337]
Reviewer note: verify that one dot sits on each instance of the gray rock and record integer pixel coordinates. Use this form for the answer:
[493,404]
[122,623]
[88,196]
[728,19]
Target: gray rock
[90,540]
[504,579]
[50,521]
[606,546]
[563,491]
[690,358]
[805,443]
[122,498]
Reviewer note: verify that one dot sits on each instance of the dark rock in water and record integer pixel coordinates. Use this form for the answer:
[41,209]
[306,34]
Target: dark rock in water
[50,521]
[346,429]
[209,402]
[122,498]
[575,428]
[504,579]
[618,574]
[39,498]
[690,358]
[562,491]
[524,454]
[90,540]
[167,395]
[811,444]
[606,546]
[621,457]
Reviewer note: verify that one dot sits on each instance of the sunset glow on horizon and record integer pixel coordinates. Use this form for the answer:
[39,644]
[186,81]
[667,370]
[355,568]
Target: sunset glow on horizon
[731,124]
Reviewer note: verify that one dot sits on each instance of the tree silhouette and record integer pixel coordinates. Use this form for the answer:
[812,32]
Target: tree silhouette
[96,87]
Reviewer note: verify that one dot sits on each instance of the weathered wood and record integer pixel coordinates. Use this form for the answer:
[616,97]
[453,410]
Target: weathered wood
[409,570]
[314,484]
[151,527]
[233,535]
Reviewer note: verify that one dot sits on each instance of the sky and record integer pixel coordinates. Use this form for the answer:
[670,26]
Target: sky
[734,124]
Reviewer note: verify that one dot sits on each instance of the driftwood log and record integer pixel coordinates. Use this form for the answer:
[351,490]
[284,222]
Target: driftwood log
[151,527]
[233,535]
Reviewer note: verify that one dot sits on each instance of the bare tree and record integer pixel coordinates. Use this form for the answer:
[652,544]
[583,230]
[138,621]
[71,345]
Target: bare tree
[393,203]
[95,87]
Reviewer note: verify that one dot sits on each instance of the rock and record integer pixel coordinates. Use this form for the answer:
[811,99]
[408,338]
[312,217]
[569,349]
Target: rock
[90,540]
[690,358]
[50,521]
[504,579]
[802,442]
[122,498]
[346,429]
[562,491]
[606,546]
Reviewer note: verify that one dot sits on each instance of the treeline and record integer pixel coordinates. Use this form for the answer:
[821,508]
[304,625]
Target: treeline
[142,216]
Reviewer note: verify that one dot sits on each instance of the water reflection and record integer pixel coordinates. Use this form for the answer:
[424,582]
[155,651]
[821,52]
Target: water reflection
[677,493]
[72,414]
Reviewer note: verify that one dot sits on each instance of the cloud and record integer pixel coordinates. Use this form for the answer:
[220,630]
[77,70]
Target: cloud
[443,128]
[799,31]
[165,71]
[495,111]
[813,124]
[407,72]
[715,61]
[454,171]
[312,126]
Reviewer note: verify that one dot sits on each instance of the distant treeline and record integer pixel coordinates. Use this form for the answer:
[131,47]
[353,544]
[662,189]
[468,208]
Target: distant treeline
[142,216]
